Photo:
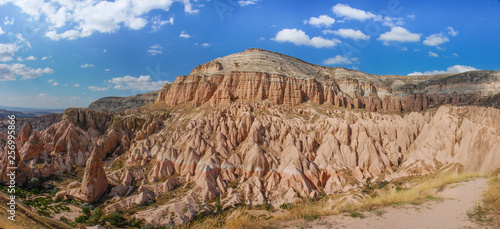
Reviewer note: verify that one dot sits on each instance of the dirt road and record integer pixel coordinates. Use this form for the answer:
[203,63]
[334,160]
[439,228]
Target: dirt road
[450,212]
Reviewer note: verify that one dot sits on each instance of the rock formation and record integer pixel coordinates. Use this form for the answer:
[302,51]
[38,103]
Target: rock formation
[257,74]
[116,104]
[264,128]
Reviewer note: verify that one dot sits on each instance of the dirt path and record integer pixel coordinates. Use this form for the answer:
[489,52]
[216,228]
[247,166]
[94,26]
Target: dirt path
[451,212]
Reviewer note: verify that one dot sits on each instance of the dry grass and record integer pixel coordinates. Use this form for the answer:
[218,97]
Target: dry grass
[418,194]
[487,213]
[491,196]
[424,188]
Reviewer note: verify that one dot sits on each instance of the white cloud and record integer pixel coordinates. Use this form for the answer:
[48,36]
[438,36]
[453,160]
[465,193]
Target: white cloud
[404,49]
[247,2]
[6,21]
[347,12]
[452,31]
[1,31]
[299,37]
[411,16]
[340,60]
[155,50]
[107,70]
[104,50]
[157,23]
[53,82]
[7,51]
[11,71]
[76,19]
[454,54]
[31,58]
[433,54]
[439,48]
[399,34]
[452,69]
[87,66]
[388,21]
[94,88]
[184,35]
[322,20]
[141,83]
[348,33]
[436,39]
[76,85]
[205,45]
[42,94]
[46,57]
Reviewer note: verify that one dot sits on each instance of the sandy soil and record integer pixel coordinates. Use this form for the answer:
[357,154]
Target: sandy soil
[450,212]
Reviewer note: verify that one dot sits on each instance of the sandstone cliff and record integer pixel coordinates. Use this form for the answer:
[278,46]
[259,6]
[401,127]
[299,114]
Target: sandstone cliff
[257,74]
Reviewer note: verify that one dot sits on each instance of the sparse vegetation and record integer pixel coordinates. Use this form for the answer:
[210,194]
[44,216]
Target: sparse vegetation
[488,212]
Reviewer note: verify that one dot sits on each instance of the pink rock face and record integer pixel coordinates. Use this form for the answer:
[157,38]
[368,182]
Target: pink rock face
[94,182]
[257,74]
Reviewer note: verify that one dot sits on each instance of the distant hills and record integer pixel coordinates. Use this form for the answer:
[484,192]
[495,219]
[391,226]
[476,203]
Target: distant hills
[21,112]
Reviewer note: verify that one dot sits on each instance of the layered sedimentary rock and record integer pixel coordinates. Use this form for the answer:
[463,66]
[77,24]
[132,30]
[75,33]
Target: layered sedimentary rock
[257,74]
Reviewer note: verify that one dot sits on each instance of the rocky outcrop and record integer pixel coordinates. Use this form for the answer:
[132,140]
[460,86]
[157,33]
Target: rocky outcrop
[41,122]
[264,134]
[257,74]
[116,104]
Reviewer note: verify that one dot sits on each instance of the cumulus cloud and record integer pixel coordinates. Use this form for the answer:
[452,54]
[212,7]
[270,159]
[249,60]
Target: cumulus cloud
[433,54]
[436,39]
[204,45]
[76,19]
[399,34]
[87,66]
[247,2]
[340,60]
[53,82]
[1,31]
[299,37]
[6,21]
[155,50]
[76,85]
[7,51]
[157,23]
[348,33]
[31,58]
[347,12]
[322,20]
[184,35]
[94,88]
[11,71]
[452,31]
[449,70]
[141,83]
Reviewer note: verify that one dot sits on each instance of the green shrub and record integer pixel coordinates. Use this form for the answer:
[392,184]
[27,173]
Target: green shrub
[115,219]
[286,206]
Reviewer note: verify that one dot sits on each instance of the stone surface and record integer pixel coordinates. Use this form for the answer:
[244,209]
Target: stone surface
[116,104]
[257,74]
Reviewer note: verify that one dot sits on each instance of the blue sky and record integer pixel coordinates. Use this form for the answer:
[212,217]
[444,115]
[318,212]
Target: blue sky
[65,53]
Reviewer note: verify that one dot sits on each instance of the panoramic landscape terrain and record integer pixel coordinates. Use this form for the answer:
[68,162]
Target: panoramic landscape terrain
[249,114]
[262,134]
